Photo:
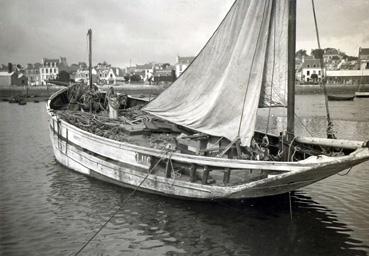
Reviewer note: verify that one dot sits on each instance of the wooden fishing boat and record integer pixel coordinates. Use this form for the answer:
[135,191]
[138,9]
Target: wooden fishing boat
[340,97]
[217,154]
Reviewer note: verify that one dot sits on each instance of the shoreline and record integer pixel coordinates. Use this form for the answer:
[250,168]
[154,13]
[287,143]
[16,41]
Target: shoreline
[43,92]
[331,88]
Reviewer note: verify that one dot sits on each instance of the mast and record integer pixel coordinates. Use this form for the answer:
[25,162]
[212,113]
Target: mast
[89,34]
[291,70]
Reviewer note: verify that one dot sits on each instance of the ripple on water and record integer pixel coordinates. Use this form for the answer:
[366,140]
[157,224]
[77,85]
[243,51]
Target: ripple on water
[47,209]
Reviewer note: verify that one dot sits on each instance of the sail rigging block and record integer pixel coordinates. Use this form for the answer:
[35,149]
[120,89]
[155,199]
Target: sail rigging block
[219,92]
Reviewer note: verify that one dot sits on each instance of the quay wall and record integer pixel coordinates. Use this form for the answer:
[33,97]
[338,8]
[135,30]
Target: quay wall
[45,92]
[331,88]
[138,89]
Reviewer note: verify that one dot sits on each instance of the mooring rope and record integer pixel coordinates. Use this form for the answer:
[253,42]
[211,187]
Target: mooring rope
[120,207]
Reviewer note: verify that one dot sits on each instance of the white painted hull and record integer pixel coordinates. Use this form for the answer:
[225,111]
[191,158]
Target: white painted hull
[128,165]
[362,94]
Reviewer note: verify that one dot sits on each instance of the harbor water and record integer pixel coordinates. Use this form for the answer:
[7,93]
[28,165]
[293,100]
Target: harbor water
[47,209]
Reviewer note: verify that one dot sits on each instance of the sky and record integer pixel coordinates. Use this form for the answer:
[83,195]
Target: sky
[140,31]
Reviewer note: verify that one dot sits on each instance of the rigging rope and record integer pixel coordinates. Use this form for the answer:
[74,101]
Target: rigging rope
[330,130]
[272,78]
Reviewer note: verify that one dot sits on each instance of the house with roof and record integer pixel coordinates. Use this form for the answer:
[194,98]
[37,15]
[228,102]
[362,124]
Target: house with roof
[311,70]
[166,76]
[49,70]
[364,58]
[182,63]
[115,75]
[82,75]
[12,78]
[144,71]
[331,54]
[33,74]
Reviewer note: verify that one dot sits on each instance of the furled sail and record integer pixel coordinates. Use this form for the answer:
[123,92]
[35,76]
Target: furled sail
[219,92]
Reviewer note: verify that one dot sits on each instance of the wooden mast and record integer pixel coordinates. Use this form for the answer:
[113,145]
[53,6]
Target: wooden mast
[291,70]
[89,33]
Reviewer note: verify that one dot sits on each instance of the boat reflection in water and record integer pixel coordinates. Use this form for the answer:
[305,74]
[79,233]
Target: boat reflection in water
[157,226]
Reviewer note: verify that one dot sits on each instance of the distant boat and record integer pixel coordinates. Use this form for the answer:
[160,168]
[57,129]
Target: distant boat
[22,102]
[197,139]
[13,100]
[362,94]
[338,97]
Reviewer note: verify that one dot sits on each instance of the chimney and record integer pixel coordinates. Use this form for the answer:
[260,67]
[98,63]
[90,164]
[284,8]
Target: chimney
[10,67]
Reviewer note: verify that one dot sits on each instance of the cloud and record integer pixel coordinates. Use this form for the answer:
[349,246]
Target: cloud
[152,30]
[342,24]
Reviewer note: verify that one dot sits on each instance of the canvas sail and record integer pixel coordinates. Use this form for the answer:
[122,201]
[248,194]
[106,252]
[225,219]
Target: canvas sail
[219,92]
[274,86]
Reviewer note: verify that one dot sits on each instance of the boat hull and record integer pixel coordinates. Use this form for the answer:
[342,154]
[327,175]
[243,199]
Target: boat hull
[129,165]
[332,97]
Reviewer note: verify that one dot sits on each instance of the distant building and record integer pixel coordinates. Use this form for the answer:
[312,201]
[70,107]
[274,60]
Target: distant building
[115,75]
[364,58]
[12,78]
[144,71]
[348,76]
[182,63]
[311,70]
[82,75]
[49,70]
[165,76]
[331,54]
[33,74]
[349,65]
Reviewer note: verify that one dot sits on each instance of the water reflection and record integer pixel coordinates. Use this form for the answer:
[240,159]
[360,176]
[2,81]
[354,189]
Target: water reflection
[153,225]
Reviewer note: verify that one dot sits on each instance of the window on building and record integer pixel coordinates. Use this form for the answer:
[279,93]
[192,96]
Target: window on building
[308,72]
[314,66]
[47,70]
[319,72]
[308,66]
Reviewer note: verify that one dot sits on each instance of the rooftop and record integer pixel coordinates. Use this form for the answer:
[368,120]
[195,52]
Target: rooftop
[363,51]
[311,63]
[185,60]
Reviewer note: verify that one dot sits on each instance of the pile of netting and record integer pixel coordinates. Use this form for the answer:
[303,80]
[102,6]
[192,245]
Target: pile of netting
[97,124]
[102,125]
